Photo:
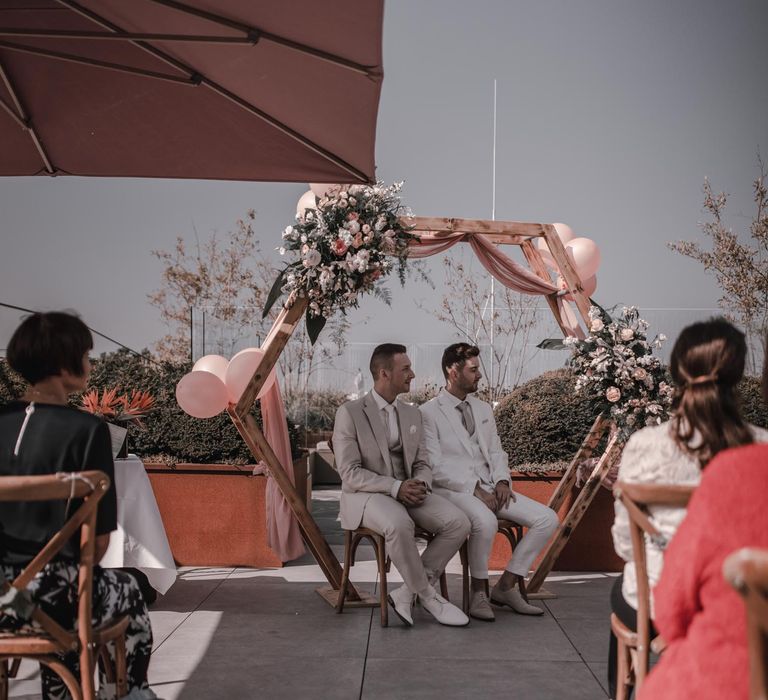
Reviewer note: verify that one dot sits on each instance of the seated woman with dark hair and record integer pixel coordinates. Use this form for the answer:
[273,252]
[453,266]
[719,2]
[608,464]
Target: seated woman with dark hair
[698,614]
[40,434]
[707,363]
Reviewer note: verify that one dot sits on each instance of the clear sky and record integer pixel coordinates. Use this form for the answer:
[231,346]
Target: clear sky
[610,115]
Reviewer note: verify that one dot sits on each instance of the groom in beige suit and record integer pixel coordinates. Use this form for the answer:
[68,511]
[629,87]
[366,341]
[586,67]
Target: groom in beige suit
[387,485]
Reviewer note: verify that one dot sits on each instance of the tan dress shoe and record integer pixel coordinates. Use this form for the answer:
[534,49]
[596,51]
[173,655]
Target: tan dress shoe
[480,608]
[514,599]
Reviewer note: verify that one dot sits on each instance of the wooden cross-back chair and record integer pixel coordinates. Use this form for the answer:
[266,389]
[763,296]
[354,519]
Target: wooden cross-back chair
[634,646]
[747,571]
[44,638]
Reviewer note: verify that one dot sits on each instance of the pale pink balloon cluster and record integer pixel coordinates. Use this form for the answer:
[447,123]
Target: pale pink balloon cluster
[582,253]
[216,382]
[317,190]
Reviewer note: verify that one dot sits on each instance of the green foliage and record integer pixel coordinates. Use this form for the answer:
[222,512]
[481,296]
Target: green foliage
[313,410]
[543,421]
[169,434]
[751,401]
[11,384]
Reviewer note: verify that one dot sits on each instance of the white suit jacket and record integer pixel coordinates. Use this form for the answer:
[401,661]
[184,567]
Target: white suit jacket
[361,453]
[448,445]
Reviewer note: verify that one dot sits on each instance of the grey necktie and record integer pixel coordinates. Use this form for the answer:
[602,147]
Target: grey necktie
[466,417]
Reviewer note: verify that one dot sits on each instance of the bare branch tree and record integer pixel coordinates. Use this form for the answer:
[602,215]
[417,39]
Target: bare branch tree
[230,277]
[741,269]
[502,328]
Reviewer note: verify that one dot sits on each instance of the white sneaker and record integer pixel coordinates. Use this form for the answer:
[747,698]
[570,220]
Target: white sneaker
[445,612]
[401,601]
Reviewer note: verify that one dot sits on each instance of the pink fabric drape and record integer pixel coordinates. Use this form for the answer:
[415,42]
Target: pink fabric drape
[499,265]
[283,533]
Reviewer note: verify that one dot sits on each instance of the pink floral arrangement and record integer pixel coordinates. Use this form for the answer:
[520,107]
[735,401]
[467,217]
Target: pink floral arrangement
[341,249]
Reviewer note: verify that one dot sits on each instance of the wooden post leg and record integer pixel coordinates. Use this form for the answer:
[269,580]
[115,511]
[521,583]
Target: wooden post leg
[568,479]
[310,532]
[575,514]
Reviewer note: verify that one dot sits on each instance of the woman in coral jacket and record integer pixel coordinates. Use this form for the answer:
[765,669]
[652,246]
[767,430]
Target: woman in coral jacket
[698,614]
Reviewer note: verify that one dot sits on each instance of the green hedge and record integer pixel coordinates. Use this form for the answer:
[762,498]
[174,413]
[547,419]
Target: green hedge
[170,435]
[543,422]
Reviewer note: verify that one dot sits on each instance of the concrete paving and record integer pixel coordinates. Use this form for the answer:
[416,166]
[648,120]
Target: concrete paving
[234,633]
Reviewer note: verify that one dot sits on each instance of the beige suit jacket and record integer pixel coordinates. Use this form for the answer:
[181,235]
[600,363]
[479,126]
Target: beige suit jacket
[362,456]
[448,444]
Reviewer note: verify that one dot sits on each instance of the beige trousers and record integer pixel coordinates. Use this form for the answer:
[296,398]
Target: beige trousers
[397,523]
[540,520]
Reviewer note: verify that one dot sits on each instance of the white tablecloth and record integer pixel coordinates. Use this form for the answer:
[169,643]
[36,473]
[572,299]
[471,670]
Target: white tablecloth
[140,541]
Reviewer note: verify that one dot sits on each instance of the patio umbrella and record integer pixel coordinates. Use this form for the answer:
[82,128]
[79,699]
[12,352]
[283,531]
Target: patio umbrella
[275,90]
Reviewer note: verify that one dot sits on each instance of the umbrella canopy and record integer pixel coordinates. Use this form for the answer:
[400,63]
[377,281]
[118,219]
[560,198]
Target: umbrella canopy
[275,90]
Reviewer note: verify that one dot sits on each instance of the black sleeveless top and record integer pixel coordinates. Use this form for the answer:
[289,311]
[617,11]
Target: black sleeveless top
[55,439]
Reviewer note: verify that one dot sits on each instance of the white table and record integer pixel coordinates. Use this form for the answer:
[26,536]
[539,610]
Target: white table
[140,541]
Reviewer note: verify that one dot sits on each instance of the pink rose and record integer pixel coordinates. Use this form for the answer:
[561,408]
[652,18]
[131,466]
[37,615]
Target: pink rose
[612,394]
[357,241]
[339,247]
[353,216]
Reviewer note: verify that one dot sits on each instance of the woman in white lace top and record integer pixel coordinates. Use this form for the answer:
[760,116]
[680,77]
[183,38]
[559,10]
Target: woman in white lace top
[707,363]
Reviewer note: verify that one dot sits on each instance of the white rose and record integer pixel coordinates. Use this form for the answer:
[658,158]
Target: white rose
[312,258]
[626,334]
[597,325]
[288,231]
[613,394]
[353,227]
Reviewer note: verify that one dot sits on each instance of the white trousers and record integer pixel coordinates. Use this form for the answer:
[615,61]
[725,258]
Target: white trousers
[540,520]
[397,523]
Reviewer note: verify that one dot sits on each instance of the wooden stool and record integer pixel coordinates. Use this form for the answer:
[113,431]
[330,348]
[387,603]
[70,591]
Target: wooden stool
[352,539]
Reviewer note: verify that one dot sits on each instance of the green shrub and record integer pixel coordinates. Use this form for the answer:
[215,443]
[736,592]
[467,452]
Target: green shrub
[314,410]
[543,421]
[751,401]
[169,434]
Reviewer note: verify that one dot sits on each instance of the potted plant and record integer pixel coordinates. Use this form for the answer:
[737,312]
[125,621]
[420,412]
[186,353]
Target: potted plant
[119,411]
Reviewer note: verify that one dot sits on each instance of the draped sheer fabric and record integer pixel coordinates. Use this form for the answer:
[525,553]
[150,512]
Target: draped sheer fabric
[283,533]
[499,265]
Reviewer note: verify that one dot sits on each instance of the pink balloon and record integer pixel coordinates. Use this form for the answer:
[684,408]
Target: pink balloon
[215,364]
[201,394]
[564,232]
[588,286]
[584,256]
[320,189]
[307,201]
[240,370]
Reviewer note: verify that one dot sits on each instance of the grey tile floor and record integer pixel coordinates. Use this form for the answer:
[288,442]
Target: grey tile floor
[234,633]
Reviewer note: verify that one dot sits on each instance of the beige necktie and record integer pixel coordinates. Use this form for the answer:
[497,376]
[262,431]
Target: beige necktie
[466,417]
[390,422]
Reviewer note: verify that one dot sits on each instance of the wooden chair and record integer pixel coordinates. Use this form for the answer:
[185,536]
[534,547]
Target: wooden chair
[352,539]
[44,638]
[747,571]
[634,647]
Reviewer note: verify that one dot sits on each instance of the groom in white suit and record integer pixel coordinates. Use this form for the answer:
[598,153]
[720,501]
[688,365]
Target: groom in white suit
[470,469]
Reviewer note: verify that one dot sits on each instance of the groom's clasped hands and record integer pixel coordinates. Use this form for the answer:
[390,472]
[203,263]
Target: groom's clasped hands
[497,499]
[412,492]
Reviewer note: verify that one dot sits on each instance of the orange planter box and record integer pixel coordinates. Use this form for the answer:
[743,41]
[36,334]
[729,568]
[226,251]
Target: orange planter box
[590,547]
[214,514]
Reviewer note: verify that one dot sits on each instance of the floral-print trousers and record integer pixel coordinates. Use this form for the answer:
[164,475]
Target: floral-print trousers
[115,593]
